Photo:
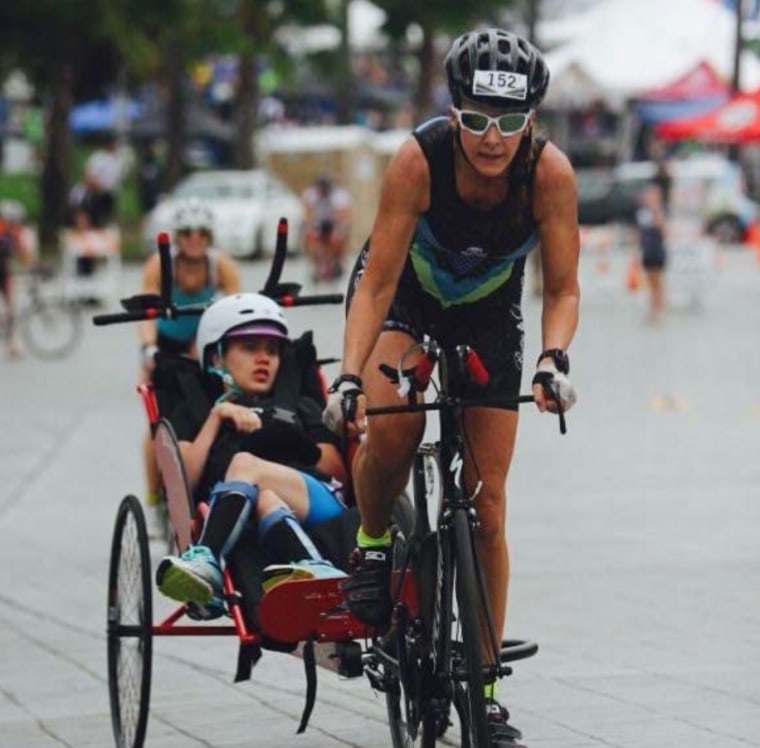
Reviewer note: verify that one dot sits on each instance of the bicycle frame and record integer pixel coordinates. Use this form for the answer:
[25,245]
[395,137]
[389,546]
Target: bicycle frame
[424,628]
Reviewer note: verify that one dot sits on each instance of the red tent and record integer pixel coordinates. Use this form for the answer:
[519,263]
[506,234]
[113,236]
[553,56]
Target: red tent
[736,121]
[700,82]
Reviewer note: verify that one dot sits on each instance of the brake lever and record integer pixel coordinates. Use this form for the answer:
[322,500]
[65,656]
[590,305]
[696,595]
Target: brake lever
[560,410]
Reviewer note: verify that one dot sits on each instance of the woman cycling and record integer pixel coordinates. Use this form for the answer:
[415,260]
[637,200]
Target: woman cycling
[201,273]
[462,204]
[254,455]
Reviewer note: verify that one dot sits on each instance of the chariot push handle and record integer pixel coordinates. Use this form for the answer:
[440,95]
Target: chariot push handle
[160,306]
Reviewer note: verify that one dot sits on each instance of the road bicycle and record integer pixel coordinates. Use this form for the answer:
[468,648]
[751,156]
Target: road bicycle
[49,325]
[432,657]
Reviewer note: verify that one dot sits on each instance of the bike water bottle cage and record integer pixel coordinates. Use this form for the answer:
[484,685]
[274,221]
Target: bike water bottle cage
[559,357]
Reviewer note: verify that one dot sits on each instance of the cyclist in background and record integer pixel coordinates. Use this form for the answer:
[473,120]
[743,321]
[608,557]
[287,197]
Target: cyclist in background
[463,202]
[201,273]
[328,223]
[16,242]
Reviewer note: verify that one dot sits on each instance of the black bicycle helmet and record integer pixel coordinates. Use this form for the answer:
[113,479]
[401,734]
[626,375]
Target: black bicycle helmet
[495,50]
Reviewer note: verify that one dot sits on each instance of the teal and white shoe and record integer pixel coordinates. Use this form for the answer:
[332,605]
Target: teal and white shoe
[193,577]
[300,570]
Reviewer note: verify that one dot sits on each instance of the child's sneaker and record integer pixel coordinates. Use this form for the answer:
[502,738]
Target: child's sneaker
[194,576]
[307,569]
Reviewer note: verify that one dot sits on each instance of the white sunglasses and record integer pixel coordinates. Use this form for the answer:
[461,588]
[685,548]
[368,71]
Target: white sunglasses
[477,123]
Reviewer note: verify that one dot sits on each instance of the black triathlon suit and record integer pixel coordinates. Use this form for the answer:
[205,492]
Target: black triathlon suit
[463,278]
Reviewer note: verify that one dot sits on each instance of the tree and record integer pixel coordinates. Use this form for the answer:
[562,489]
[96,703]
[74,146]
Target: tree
[450,16]
[64,49]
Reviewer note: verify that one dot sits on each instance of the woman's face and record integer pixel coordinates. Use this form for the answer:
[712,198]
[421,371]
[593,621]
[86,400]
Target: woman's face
[490,153]
[253,362]
[193,243]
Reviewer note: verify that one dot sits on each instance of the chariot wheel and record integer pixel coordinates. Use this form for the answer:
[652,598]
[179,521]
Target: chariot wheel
[130,632]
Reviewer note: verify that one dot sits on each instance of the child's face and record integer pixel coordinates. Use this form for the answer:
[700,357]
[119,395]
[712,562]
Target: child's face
[253,362]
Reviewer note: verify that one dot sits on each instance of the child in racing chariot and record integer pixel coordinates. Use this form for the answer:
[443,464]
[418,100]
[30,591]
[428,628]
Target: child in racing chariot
[252,458]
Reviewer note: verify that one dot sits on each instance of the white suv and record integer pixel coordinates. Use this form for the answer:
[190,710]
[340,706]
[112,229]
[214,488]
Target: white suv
[706,187]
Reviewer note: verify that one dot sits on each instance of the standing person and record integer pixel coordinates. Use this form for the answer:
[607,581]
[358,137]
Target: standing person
[328,223]
[16,242]
[463,202]
[103,173]
[150,177]
[652,225]
[298,485]
[201,272]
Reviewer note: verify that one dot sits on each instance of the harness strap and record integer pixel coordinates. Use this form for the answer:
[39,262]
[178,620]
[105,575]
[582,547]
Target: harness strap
[248,656]
[194,395]
[310,668]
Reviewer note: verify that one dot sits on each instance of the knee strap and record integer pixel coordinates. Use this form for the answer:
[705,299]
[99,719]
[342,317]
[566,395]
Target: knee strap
[297,533]
[249,492]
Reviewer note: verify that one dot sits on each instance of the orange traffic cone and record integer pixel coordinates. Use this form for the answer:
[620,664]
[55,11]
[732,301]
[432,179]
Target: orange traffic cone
[753,238]
[633,275]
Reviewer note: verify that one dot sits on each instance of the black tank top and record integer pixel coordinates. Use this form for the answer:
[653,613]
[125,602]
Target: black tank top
[461,254]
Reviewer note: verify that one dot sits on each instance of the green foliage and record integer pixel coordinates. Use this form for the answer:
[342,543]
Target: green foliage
[453,16]
[24,188]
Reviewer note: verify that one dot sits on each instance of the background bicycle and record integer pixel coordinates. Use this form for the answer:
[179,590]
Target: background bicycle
[48,324]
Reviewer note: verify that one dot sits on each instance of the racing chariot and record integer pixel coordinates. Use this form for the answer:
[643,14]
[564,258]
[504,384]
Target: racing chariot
[429,662]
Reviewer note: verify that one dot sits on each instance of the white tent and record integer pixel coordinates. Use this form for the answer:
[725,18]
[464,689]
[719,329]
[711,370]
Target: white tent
[621,48]
[364,30]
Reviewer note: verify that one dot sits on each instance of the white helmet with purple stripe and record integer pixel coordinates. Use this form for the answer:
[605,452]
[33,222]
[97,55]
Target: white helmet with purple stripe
[237,315]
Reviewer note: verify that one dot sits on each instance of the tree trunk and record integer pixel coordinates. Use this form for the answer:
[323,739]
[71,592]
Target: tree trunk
[423,101]
[246,106]
[175,112]
[56,170]
[344,96]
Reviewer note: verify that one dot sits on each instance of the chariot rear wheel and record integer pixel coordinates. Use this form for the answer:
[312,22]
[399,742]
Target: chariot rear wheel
[130,632]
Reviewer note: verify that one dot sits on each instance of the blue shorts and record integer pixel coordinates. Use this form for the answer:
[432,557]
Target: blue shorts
[324,500]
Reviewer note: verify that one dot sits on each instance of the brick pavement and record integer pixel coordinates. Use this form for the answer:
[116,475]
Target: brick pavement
[634,544]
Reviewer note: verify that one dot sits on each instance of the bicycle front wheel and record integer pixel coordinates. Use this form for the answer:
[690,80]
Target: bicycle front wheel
[130,627]
[411,718]
[470,696]
[51,329]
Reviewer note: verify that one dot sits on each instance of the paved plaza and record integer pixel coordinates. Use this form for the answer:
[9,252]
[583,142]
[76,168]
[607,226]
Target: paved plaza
[635,542]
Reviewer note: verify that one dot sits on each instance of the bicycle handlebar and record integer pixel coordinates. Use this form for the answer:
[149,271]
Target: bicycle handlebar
[156,312]
[417,379]
[160,306]
[451,402]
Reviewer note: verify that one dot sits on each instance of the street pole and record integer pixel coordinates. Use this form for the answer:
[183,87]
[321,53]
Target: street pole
[736,79]
[734,151]
[532,19]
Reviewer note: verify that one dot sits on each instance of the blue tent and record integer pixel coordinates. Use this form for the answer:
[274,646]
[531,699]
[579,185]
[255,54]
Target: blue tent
[102,115]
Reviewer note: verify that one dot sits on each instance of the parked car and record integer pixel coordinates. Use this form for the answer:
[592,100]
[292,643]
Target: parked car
[604,199]
[707,187]
[247,206]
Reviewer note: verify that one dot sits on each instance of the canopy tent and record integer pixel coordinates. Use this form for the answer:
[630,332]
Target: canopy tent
[623,49]
[702,81]
[737,121]
[104,115]
[698,91]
